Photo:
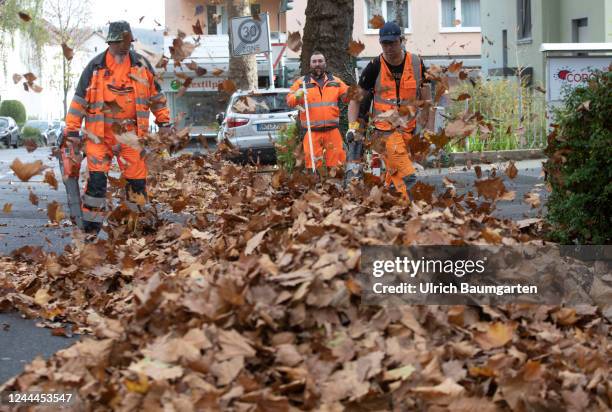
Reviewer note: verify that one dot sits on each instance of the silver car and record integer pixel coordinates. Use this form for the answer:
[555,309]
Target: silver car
[253,120]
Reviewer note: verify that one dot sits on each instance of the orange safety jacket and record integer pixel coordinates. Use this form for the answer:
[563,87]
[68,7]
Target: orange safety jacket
[88,99]
[322,101]
[385,91]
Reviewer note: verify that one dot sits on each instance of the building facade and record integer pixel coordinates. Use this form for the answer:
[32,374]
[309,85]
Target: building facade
[439,30]
[514,30]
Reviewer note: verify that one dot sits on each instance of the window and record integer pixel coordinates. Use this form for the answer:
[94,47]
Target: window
[216,20]
[460,15]
[255,9]
[386,9]
[523,17]
[579,30]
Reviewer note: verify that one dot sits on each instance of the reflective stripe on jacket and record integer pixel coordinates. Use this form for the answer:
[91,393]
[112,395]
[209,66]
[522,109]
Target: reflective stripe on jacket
[385,93]
[322,101]
[88,100]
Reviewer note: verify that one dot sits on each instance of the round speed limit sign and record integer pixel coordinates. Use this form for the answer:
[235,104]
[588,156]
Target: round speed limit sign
[249,31]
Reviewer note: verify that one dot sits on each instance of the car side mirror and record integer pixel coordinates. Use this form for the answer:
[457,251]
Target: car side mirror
[220,117]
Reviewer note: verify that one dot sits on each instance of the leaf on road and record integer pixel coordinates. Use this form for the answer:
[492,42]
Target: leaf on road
[497,334]
[25,171]
[294,41]
[254,242]
[33,198]
[511,170]
[532,199]
[55,212]
[7,208]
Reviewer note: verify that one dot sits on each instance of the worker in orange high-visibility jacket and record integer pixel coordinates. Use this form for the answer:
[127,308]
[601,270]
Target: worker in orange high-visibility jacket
[115,93]
[324,91]
[391,80]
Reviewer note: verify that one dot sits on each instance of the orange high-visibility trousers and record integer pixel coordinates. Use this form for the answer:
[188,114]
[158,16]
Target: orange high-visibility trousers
[397,160]
[100,156]
[329,141]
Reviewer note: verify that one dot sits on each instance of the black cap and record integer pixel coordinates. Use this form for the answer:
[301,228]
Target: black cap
[390,32]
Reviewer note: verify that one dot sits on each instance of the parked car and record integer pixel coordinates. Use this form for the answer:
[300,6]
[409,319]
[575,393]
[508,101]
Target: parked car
[253,120]
[55,131]
[9,132]
[42,125]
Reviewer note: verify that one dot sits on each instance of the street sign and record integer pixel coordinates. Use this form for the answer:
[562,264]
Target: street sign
[249,36]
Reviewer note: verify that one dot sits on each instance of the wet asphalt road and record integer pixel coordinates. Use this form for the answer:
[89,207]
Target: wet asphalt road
[21,340]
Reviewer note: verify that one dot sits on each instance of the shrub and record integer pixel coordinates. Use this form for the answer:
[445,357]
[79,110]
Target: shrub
[286,144]
[579,166]
[14,109]
[511,110]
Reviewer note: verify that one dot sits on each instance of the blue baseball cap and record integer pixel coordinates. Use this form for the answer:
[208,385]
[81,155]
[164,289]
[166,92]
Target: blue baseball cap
[390,32]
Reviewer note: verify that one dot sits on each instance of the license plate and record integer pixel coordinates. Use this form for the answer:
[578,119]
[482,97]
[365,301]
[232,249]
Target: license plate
[268,127]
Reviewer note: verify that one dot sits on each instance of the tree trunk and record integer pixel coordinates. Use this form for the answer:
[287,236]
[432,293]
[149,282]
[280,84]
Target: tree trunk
[329,29]
[242,69]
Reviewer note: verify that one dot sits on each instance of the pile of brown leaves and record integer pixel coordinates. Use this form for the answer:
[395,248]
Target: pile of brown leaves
[252,304]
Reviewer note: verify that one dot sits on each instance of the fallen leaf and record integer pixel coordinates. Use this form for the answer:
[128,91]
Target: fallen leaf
[228,87]
[217,72]
[8,208]
[532,199]
[447,388]
[197,27]
[355,48]
[455,66]
[30,145]
[25,171]
[54,212]
[24,16]
[511,170]
[294,41]
[111,107]
[68,52]
[17,78]
[377,22]
[254,242]
[490,189]
[33,198]
[30,77]
[50,179]
[496,335]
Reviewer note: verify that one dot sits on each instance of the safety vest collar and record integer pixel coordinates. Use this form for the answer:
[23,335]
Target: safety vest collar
[99,61]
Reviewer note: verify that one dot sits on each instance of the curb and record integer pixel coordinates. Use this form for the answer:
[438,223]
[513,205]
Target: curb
[461,158]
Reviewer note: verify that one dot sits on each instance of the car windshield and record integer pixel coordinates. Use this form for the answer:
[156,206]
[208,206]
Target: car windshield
[39,124]
[56,125]
[3,123]
[261,103]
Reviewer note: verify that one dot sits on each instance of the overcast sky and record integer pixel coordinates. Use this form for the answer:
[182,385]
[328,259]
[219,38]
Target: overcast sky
[104,11]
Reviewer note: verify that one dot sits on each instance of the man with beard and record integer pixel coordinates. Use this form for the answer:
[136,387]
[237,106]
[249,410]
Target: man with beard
[115,94]
[324,90]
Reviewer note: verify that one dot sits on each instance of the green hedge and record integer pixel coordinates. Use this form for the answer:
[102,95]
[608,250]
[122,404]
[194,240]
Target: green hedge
[14,109]
[579,166]
[32,133]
